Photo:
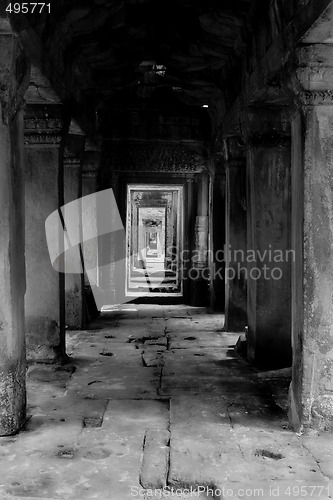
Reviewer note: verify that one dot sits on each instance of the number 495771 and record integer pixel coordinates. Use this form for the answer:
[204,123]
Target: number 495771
[28,8]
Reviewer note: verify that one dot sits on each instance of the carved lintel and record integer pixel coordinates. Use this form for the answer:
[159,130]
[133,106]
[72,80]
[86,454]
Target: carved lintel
[151,156]
[42,139]
[43,125]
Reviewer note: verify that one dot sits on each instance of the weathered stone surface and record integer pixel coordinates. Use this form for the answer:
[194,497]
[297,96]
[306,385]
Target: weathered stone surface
[155,462]
[269,258]
[322,412]
[236,244]
[12,271]
[312,278]
[98,443]
[45,333]
[152,358]
[160,341]
[72,191]
[320,446]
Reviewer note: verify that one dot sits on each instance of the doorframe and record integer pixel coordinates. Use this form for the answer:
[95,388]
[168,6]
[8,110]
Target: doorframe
[188,181]
[135,186]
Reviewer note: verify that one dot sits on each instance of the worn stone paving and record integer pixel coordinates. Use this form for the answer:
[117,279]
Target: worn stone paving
[155,402]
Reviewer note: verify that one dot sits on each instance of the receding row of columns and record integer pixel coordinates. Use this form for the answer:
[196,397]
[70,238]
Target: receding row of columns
[279,208]
[57,171]
[283,221]
[44,165]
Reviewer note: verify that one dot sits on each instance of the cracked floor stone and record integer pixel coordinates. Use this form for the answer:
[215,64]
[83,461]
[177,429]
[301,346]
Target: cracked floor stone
[155,402]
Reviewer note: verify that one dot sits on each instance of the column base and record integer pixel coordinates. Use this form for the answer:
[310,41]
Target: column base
[293,414]
[43,341]
[322,413]
[235,319]
[12,400]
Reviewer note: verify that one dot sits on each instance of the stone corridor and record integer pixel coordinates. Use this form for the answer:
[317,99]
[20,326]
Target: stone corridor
[155,396]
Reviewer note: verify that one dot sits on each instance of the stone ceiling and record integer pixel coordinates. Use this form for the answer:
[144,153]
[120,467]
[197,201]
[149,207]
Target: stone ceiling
[100,53]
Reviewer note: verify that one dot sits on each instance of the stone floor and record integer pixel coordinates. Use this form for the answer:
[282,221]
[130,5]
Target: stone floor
[156,404]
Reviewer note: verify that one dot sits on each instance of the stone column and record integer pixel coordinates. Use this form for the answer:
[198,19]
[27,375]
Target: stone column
[236,237]
[200,261]
[268,237]
[74,283]
[90,245]
[189,218]
[12,269]
[311,392]
[219,234]
[107,251]
[45,322]
[90,169]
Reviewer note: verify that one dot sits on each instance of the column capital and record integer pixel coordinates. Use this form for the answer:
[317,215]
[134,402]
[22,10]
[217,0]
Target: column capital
[312,80]
[71,161]
[316,98]
[44,125]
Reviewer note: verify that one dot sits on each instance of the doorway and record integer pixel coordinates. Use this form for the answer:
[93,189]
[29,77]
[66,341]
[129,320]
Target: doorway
[154,240]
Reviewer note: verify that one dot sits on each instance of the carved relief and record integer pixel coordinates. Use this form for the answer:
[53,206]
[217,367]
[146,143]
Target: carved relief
[153,156]
[71,161]
[316,98]
[43,125]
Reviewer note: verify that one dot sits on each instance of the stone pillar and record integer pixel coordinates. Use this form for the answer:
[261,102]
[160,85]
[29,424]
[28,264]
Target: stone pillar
[311,392]
[90,246]
[90,170]
[268,237]
[200,261]
[219,235]
[107,253]
[236,237]
[189,218]
[45,321]
[74,283]
[12,269]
